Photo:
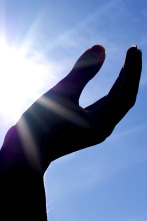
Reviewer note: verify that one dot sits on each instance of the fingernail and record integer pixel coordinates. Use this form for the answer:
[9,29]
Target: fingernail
[134,46]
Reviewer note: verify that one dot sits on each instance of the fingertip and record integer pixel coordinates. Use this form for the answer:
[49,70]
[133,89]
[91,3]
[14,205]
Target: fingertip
[134,46]
[98,48]
[92,58]
[133,49]
[131,52]
[98,51]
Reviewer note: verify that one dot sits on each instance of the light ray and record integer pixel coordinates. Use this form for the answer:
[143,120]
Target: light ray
[21,79]
[34,27]
[96,15]
[64,112]
[29,145]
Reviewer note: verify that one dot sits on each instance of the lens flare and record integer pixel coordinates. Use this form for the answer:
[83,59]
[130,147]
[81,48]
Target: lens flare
[21,79]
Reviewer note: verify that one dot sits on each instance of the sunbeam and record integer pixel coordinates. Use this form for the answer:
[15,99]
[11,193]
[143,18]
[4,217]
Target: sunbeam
[22,78]
[29,145]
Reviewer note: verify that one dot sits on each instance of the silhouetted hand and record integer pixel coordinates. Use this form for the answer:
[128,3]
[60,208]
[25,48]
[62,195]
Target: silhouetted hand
[56,125]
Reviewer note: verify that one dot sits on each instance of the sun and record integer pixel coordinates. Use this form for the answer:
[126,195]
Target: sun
[21,79]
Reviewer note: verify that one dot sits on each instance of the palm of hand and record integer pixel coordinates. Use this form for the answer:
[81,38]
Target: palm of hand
[58,125]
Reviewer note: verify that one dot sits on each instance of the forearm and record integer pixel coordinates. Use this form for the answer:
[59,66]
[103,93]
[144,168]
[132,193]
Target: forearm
[22,194]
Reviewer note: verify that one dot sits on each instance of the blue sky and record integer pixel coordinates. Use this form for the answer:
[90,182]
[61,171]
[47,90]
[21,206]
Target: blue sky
[106,182]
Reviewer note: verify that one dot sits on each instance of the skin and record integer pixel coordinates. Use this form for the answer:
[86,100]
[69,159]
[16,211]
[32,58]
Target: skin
[56,125]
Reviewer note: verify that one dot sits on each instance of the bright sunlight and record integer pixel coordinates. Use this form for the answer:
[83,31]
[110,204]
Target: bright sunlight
[21,79]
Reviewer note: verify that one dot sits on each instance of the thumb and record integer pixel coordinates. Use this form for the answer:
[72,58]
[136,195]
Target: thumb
[84,70]
[91,60]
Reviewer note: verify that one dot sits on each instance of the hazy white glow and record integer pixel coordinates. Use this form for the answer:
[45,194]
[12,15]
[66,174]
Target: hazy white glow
[21,79]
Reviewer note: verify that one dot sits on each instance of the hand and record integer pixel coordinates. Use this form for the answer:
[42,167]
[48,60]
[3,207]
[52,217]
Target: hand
[56,125]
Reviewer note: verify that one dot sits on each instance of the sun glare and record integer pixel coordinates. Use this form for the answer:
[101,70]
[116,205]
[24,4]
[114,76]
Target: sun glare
[21,79]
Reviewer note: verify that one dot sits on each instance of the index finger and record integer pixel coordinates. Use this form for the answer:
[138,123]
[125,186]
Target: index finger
[123,94]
